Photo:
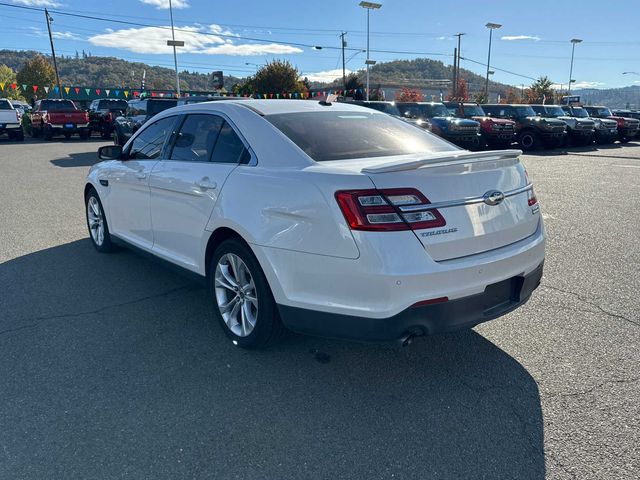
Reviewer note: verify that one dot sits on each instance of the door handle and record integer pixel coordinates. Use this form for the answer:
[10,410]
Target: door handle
[206,184]
[141,175]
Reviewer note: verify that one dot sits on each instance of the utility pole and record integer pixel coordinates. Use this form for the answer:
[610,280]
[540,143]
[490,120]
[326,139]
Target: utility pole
[344,76]
[457,62]
[53,51]
[454,92]
[174,43]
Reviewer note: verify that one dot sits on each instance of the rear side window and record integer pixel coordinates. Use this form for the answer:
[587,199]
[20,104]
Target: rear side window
[112,105]
[229,148]
[53,105]
[341,135]
[5,105]
[196,139]
[148,144]
[156,106]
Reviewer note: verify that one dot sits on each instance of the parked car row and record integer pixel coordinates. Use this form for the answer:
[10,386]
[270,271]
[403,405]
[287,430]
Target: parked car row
[496,126]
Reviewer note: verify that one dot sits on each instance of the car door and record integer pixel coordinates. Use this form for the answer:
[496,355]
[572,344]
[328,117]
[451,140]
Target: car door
[185,186]
[128,205]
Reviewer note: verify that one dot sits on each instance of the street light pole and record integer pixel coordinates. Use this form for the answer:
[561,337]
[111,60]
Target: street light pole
[573,49]
[344,76]
[491,27]
[175,56]
[369,6]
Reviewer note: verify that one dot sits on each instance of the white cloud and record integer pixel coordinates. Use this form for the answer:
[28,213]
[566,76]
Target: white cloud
[164,4]
[512,38]
[579,85]
[326,76]
[60,35]
[210,40]
[37,3]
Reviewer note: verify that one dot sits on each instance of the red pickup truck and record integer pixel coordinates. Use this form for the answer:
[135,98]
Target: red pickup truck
[59,117]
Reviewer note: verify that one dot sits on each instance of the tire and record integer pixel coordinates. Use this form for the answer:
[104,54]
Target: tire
[624,139]
[94,212]
[116,139]
[105,135]
[529,140]
[47,134]
[19,136]
[85,134]
[35,132]
[67,136]
[237,281]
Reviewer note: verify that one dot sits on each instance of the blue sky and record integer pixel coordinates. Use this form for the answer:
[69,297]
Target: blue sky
[534,39]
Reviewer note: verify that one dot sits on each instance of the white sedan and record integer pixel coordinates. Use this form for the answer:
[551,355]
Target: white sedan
[327,219]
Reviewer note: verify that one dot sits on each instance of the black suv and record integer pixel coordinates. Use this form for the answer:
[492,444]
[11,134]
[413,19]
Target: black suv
[390,108]
[606,131]
[532,130]
[137,114]
[580,131]
[102,114]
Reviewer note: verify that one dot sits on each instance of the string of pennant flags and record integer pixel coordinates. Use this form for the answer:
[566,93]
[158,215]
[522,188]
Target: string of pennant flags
[132,93]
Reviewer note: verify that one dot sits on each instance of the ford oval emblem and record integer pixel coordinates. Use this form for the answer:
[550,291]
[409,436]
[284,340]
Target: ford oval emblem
[493,197]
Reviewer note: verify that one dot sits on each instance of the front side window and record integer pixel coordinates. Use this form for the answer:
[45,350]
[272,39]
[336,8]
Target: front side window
[341,135]
[148,144]
[525,111]
[196,139]
[473,111]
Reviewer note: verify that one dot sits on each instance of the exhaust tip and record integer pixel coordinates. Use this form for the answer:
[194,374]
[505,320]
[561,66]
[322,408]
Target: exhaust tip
[407,338]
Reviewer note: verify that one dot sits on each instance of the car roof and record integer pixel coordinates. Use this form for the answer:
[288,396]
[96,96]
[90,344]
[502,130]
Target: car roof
[273,107]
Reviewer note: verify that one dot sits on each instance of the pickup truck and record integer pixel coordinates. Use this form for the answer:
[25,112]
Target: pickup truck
[58,117]
[103,112]
[627,127]
[495,132]
[532,130]
[462,132]
[138,112]
[581,131]
[606,130]
[10,121]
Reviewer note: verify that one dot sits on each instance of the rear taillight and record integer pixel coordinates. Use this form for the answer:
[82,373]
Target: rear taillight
[109,117]
[17,116]
[390,209]
[531,195]
[86,116]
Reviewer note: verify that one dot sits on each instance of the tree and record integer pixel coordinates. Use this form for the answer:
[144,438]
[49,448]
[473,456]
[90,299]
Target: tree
[462,92]
[37,71]
[353,83]
[7,77]
[511,97]
[540,90]
[409,95]
[278,76]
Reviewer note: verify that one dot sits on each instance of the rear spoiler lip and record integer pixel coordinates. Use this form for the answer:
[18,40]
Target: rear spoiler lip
[442,159]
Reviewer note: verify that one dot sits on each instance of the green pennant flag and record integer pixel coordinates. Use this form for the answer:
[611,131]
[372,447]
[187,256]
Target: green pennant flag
[87,90]
[24,87]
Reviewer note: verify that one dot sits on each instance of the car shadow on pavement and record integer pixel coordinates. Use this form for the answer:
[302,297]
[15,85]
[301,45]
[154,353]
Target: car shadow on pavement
[110,364]
[83,159]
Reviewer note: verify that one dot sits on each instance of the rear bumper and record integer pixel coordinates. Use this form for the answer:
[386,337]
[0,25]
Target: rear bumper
[75,128]
[10,128]
[496,300]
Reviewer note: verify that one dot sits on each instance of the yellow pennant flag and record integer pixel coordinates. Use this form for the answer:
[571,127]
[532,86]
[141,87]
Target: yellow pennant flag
[126,93]
[66,89]
[1,85]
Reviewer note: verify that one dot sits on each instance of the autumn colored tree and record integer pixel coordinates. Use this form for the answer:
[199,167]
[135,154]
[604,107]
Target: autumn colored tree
[7,77]
[540,91]
[462,92]
[409,95]
[37,71]
[511,97]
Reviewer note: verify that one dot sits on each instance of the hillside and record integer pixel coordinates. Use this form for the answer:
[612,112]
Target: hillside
[626,97]
[115,72]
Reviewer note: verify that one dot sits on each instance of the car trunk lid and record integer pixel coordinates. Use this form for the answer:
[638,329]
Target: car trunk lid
[484,198]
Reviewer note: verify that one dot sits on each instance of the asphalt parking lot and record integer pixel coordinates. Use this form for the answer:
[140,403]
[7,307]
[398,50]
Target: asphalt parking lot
[111,368]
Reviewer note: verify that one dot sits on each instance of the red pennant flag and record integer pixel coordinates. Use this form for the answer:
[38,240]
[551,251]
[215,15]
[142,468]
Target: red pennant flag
[153,94]
[77,90]
[14,85]
[35,88]
[98,91]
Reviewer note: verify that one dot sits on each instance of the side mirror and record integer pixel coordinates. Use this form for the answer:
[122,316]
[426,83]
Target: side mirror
[406,114]
[110,152]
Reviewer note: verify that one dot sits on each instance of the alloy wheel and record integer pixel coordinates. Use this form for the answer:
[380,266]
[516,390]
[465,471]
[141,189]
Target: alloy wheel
[236,294]
[96,220]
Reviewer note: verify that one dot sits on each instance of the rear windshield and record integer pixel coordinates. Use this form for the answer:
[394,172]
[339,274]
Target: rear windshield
[157,106]
[342,135]
[112,105]
[5,105]
[53,105]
